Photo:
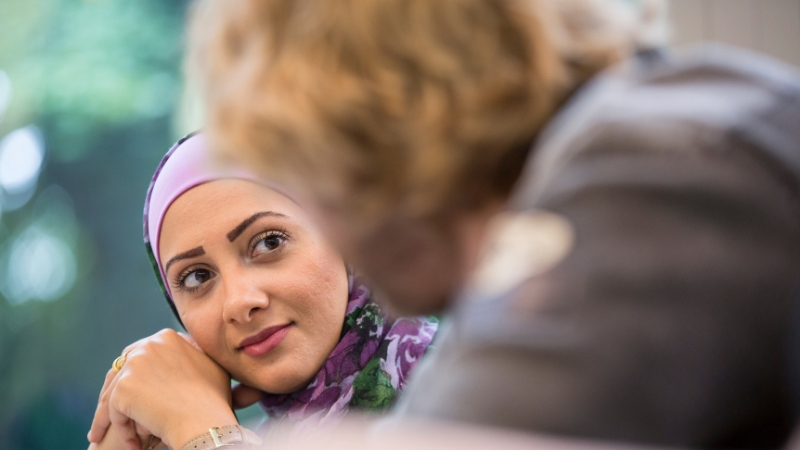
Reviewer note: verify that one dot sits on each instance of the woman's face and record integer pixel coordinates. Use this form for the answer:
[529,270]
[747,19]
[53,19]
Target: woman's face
[254,282]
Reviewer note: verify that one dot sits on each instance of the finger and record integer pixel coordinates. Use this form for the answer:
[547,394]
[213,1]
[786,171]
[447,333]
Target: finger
[94,436]
[144,434]
[190,340]
[141,431]
[126,429]
[109,377]
[96,433]
[244,396]
[106,383]
[101,421]
[100,424]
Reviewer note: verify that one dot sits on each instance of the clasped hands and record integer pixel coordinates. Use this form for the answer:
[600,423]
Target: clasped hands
[166,389]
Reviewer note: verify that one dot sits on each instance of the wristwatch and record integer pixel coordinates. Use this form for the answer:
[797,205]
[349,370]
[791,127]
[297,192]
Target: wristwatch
[230,437]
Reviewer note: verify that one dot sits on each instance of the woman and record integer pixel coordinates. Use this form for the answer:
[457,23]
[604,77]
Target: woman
[265,299]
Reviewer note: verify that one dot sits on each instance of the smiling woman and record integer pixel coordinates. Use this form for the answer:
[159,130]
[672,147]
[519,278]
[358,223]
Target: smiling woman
[271,294]
[265,299]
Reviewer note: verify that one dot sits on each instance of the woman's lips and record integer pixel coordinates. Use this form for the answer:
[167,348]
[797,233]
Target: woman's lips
[265,341]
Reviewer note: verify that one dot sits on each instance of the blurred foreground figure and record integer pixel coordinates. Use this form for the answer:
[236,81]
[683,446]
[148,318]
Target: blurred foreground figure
[612,233]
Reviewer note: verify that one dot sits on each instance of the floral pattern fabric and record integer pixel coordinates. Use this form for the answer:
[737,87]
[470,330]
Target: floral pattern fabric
[366,370]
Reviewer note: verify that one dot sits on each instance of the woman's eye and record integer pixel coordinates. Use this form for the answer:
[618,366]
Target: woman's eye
[269,243]
[196,277]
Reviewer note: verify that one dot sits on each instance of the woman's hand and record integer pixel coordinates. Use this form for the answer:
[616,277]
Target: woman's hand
[167,388]
[111,441]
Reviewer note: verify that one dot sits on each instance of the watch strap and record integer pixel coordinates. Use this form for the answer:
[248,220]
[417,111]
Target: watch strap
[227,437]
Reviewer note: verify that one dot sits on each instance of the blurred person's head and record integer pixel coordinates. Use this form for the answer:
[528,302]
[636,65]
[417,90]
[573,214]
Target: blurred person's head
[245,269]
[408,120]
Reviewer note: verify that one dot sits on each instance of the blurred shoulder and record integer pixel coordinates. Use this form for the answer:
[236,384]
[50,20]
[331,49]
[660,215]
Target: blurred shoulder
[698,107]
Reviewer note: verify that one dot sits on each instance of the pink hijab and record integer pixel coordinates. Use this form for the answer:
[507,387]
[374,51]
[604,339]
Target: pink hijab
[187,164]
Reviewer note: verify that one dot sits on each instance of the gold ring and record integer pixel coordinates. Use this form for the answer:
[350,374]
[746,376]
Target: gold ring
[116,366]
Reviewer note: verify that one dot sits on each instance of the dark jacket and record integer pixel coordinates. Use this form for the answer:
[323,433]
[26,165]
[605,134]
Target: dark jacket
[670,319]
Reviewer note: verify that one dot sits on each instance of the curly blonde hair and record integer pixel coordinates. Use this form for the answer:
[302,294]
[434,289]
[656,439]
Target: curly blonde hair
[421,107]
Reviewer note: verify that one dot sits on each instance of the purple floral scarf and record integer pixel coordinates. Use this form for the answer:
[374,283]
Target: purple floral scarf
[366,370]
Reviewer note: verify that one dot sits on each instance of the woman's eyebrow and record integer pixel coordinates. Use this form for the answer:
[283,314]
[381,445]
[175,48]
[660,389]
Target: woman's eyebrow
[197,251]
[233,234]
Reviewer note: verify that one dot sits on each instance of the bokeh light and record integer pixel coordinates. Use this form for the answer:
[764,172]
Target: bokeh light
[21,158]
[40,267]
[40,263]
[5,93]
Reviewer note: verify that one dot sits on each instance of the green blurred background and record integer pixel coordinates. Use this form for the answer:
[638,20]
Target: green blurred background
[88,94]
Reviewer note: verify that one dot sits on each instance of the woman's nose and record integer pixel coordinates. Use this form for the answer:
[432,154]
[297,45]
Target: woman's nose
[243,299]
